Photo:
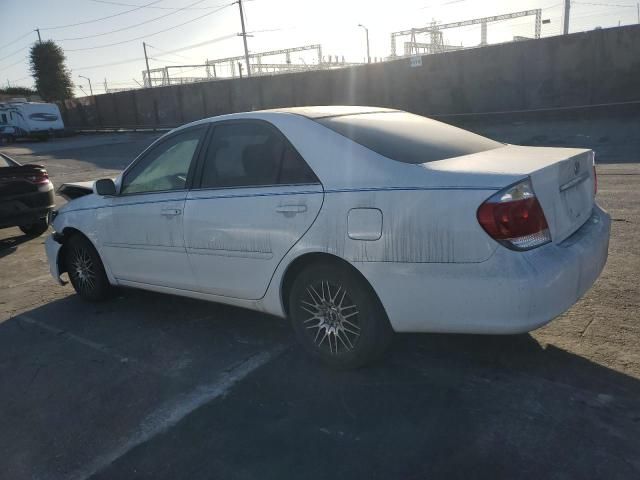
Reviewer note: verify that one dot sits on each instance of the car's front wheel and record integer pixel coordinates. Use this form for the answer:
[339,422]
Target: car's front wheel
[337,317]
[85,269]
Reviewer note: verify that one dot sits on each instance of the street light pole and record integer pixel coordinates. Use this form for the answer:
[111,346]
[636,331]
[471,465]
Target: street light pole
[367,34]
[87,78]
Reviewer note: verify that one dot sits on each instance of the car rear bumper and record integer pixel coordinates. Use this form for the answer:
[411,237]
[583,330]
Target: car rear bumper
[27,208]
[512,292]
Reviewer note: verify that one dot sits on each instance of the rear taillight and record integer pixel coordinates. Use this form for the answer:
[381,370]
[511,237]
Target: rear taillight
[595,180]
[514,218]
[38,178]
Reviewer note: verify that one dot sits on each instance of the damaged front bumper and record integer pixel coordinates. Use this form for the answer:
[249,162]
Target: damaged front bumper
[52,246]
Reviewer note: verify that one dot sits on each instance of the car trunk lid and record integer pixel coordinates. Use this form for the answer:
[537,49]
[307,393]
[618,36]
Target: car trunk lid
[566,191]
[563,179]
[22,179]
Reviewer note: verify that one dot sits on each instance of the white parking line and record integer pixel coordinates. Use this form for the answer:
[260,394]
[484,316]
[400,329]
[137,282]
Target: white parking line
[170,413]
[71,336]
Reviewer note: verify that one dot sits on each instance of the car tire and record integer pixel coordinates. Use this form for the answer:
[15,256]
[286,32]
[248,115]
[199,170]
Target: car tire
[35,229]
[337,316]
[85,269]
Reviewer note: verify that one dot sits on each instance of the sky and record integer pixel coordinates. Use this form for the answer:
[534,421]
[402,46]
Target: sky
[102,39]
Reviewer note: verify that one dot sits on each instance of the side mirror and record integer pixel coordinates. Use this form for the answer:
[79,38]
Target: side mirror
[105,187]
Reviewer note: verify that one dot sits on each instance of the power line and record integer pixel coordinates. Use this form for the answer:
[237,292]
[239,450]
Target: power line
[111,64]
[101,18]
[130,26]
[138,59]
[160,60]
[164,51]
[17,39]
[196,45]
[17,51]
[443,4]
[149,34]
[158,8]
[606,4]
[16,63]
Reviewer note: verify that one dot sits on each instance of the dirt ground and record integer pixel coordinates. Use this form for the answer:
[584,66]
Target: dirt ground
[154,386]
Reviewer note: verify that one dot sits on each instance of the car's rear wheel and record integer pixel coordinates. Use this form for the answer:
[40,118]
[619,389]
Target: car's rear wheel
[337,317]
[85,269]
[35,229]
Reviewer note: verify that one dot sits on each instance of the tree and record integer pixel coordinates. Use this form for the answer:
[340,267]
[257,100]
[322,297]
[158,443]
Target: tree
[18,91]
[53,79]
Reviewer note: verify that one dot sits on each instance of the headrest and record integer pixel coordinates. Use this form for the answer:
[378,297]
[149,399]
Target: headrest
[256,160]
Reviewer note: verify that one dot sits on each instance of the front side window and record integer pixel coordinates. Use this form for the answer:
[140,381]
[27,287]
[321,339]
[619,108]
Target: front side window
[248,154]
[166,166]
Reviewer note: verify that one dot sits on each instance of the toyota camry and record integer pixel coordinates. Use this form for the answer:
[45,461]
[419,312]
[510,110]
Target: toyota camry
[353,222]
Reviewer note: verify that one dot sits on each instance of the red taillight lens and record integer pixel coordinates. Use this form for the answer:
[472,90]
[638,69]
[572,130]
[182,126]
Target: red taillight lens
[515,218]
[595,180]
[38,178]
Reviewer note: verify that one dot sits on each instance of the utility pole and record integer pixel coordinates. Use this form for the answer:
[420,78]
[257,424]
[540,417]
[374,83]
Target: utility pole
[106,89]
[90,87]
[39,39]
[244,39]
[567,8]
[146,59]
[638,9]
[367,34]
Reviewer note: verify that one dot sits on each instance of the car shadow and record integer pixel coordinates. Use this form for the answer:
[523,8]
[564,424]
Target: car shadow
[437,405]
[9,245]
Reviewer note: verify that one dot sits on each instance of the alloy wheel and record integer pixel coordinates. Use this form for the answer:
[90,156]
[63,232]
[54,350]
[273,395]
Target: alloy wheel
[83,270]
[333,324]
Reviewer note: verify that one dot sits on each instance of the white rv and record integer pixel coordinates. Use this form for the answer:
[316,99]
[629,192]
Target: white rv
[31,119]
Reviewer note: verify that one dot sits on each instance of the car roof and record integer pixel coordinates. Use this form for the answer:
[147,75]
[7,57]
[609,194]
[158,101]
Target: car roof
[323,111]
[311,112]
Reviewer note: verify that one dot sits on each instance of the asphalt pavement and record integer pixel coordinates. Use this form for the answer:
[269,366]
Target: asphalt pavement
[161,387]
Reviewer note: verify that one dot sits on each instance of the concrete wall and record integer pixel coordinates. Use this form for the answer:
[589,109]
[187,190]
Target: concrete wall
[601,66]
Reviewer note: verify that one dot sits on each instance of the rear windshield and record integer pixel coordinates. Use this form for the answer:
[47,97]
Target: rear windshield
[408,138]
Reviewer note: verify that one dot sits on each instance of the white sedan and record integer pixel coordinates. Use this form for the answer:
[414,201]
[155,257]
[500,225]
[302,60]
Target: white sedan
[354,222]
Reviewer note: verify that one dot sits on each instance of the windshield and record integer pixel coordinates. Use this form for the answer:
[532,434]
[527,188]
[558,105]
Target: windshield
[7,162]
[408,138]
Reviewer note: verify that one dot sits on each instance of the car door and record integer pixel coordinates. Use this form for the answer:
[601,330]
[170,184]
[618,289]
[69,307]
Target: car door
[255,199]
[142,230]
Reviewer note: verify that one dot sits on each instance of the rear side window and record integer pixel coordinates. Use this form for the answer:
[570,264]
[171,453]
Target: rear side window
[408,138]
[245,154]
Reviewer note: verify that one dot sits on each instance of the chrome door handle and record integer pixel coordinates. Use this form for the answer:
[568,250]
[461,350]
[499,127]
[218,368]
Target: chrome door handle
[291,209]
[170,212]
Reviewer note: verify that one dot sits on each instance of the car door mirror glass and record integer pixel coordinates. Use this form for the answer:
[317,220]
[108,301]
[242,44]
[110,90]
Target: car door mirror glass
[105,187]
